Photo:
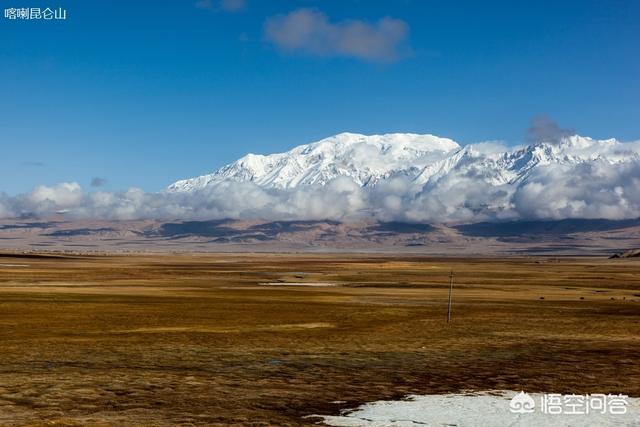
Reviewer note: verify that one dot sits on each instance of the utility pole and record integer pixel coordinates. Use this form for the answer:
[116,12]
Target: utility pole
[450,292]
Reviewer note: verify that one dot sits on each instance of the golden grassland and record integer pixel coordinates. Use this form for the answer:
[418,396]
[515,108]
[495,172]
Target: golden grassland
[200,339]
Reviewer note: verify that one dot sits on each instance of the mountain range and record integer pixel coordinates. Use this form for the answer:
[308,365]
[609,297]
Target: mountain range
[603,238]
[352,190]
[394,192]
[423,160]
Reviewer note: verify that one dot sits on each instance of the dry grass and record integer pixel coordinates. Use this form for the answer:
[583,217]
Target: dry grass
[196,339]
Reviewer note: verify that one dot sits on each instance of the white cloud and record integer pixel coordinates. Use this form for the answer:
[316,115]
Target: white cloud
[309,31]
[591,190]
[61,196]
[594,188]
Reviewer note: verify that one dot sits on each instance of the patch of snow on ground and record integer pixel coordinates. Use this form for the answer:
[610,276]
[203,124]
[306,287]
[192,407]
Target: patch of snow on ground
[470,410]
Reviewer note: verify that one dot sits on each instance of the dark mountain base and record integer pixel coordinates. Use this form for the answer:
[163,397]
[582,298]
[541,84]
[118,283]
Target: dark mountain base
[564,237]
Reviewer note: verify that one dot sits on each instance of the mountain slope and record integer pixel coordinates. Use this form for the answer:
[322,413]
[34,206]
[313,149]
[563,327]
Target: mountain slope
[596,237]
[424,159]
[512,167]
[365,159]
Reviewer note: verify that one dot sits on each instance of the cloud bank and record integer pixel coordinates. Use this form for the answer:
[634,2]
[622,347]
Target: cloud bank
[309,31]
[596,188]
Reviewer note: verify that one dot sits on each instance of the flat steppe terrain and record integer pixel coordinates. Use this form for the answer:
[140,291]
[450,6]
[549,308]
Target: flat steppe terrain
[233,339]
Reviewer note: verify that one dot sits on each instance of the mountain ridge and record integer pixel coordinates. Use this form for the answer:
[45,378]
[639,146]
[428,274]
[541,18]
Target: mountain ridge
[423,159]
[563,237]
[365,159]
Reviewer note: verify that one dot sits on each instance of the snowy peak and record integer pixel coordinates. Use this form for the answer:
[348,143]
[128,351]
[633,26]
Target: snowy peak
[399,145]
[365,159]
[513,166]
[423,159]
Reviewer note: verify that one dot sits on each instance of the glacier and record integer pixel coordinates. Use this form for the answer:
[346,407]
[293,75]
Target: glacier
[365,159]
[424,159]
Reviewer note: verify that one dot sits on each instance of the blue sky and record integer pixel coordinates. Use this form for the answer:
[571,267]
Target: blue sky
[145,93]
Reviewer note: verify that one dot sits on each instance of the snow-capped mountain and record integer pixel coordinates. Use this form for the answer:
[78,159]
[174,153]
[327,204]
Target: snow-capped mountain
[423,159]
[514,166]
[365,159]
[396,177]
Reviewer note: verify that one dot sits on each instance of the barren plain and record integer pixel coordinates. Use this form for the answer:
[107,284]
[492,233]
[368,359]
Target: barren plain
[214,339]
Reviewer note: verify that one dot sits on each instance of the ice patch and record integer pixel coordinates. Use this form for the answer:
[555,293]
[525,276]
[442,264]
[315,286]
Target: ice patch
[470,410]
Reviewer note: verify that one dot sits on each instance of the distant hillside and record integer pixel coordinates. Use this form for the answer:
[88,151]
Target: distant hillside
[633,253]
[565,237]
